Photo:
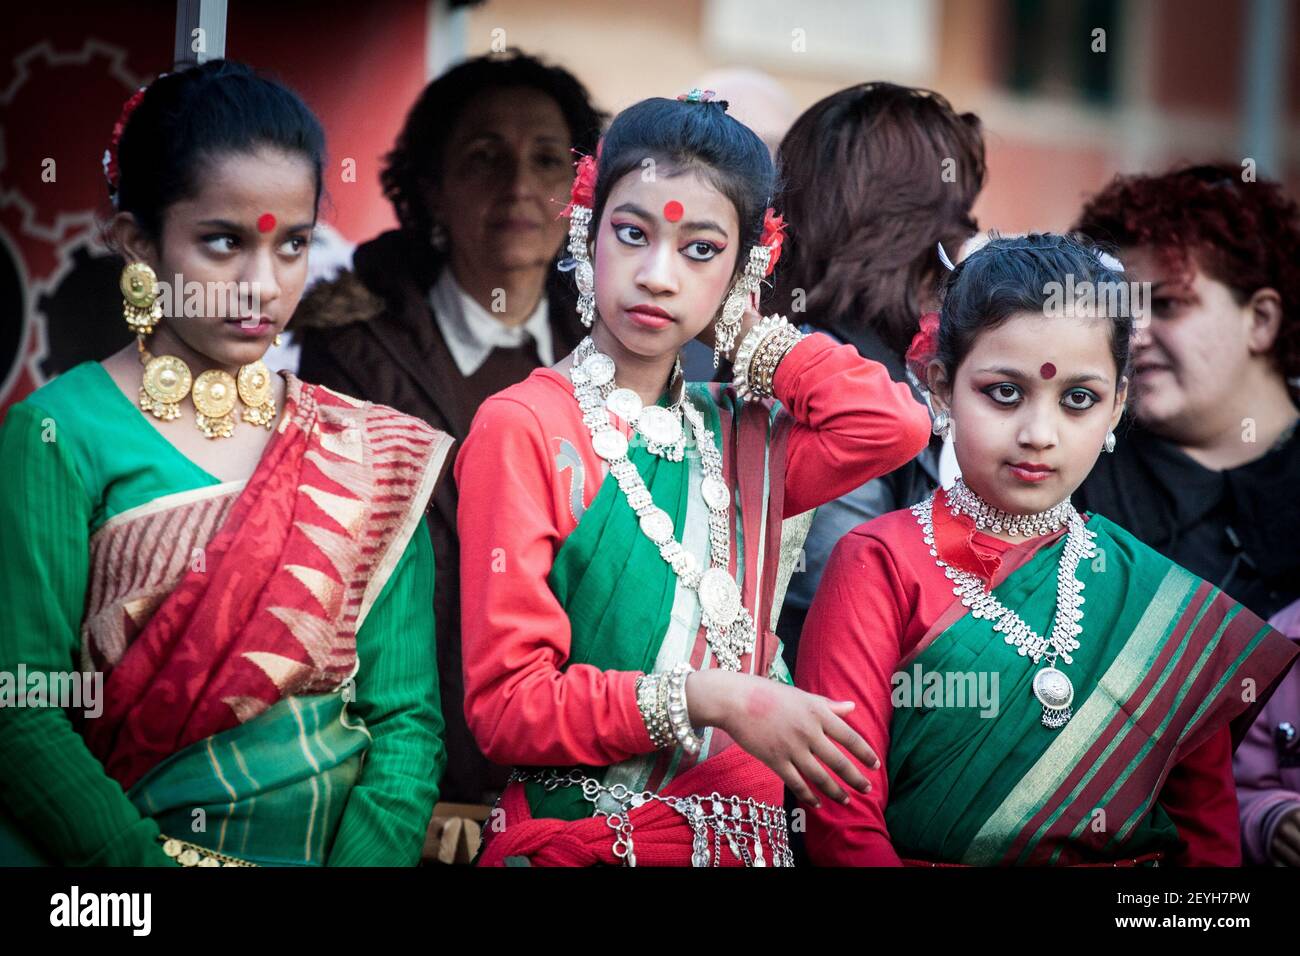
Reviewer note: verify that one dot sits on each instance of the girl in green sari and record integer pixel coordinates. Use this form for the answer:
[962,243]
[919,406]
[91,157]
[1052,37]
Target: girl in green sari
[233,563]
[622,531]
[1021,723]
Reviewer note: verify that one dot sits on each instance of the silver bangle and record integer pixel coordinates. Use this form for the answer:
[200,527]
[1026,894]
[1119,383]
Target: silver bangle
[652,701]
[678,715]
[759,354]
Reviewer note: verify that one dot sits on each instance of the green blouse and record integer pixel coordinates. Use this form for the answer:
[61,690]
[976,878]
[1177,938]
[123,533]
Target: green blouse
[75,453]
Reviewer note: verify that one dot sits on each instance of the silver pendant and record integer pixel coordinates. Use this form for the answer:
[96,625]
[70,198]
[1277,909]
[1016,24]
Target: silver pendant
[599,369]
[716,493]
[624,403]
[659,425]
[719,596]
[609,445]
[1056,693]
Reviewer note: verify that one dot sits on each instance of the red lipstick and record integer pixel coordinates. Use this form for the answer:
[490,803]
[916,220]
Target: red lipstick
[1031,471]
[650,316]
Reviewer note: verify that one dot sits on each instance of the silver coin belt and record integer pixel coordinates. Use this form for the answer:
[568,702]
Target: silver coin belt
[730,628]
[744,825]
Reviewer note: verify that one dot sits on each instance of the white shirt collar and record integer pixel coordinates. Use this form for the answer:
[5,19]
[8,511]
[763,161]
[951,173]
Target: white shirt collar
[471,332]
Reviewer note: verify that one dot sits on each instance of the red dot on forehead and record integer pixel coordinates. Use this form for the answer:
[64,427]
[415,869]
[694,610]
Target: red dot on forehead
[1048,370]
[673,210]
[265,222]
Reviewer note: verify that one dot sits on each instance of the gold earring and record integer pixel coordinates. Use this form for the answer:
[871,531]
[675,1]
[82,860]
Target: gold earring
[140,305]
[276,341]
[255,392]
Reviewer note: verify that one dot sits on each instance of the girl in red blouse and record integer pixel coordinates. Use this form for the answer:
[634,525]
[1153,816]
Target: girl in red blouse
[1021,723]
[621,529]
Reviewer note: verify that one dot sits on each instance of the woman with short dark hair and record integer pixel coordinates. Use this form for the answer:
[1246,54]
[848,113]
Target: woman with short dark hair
[875,176]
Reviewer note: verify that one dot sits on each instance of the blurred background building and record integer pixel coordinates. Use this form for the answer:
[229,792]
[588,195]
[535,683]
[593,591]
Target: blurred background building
[1070,92]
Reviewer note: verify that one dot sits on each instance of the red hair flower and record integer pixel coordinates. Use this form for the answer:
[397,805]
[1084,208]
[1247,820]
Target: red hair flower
[110,154]
[925,346]
[773,236]
[583,192]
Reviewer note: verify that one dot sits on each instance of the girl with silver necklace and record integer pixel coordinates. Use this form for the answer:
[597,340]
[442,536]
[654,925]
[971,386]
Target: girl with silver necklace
[1025,725]
[649,648]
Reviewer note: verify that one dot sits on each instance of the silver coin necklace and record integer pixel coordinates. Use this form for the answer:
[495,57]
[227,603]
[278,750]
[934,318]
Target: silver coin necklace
[729,627]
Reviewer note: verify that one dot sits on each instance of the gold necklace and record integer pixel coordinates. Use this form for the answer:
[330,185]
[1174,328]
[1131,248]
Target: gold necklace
[167,380]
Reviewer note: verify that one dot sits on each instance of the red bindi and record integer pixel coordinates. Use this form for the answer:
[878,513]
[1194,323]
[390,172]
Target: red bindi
[265,222]
[1048,370]
[673,210]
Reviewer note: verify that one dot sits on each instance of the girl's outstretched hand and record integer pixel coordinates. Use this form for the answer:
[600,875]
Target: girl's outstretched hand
[797,734]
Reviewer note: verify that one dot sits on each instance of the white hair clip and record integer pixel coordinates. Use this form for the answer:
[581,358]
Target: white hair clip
[943,257]
[1109,261]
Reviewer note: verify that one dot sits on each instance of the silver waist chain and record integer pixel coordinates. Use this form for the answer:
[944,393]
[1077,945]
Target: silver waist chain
[744,824]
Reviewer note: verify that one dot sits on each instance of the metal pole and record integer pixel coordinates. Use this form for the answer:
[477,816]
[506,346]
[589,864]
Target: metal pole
[200,32]
[1262,83]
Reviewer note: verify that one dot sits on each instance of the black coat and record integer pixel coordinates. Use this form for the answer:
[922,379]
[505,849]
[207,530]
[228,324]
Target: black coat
[1238,529]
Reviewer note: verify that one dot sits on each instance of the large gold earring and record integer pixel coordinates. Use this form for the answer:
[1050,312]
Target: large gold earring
[140,305]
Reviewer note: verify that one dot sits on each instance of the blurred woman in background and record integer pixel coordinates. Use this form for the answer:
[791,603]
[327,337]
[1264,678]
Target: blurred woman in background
[1208,473]
[875,176]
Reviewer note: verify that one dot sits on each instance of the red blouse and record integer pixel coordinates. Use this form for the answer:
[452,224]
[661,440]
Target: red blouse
[517,474]
[880,595]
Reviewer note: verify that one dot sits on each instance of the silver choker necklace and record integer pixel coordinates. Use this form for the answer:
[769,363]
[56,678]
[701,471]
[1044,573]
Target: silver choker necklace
[963,501]
[662,428]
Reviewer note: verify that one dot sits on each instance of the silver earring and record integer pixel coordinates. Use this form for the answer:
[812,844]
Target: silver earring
[586,279]
[580,262]
[942,424]
[727,327]
[1109,443]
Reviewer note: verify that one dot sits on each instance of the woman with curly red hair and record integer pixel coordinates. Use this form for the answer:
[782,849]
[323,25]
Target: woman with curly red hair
[1207,473]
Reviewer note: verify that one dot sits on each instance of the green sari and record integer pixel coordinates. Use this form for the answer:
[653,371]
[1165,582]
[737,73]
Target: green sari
[269,791]
[1167,660]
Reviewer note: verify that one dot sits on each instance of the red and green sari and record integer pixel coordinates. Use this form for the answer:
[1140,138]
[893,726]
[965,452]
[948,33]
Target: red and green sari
[1167,661]
[256,639]
[629,612]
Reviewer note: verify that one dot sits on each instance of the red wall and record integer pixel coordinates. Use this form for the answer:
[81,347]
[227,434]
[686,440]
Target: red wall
[359,66]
